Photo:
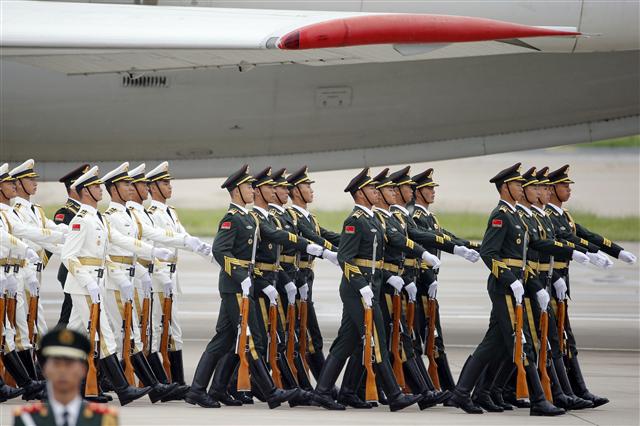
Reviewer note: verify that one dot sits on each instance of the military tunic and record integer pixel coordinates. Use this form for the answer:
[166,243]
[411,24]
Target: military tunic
[41,414]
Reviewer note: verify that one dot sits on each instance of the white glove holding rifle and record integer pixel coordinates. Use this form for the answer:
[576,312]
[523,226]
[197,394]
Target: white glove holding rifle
[271,292]
[561,288]
[518,291]
[304,292]
[291,289]
[147,288]
[11,285]
[126,290]
[246,285]
[543,299]
[412,291]
[367,295]
[94,291]
[396,282]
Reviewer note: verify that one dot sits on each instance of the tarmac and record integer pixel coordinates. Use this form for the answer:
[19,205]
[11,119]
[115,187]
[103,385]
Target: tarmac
[605,314]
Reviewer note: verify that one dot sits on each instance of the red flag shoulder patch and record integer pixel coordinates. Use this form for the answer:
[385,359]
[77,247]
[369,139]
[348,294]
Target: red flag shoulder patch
[496,223]
[350,229]
[75,227]
[225,225]
[59,216]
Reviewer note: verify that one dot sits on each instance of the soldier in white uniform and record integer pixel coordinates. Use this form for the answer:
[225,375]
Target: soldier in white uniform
[25,272]
[165,237]
[14,253]
[84,253]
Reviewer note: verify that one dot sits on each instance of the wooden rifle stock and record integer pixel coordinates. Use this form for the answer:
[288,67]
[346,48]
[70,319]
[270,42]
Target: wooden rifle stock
[304,335]
[291,337]
[126,343]
[430,346]
[32,318]
[144,325]
[91,383]
[164,338]
[371,391]
[411,316]
[3,314]
[562,314]
[395,342]
[244,383]
[542,357]
[10,304]
[273,346]
[521,381]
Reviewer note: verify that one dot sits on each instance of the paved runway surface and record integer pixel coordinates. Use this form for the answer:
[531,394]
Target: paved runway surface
[604,313]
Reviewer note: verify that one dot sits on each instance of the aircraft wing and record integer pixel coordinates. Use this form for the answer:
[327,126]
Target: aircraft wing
[80,38]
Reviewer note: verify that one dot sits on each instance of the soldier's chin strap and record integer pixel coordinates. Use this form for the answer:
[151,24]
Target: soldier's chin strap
[27,192]
[385,199]
[241,196]
[138,192]
[302,196]
[160,190]
[525,196]
[367,197]
[280,199]
[511,195]
[4,195]
[90,193]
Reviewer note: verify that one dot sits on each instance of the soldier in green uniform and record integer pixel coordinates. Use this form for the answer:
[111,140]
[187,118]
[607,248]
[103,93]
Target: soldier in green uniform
[232,249]
[301,193]
[64,354]
[425,220]
[566,228]
[360,252]
[502,251]
[64,215]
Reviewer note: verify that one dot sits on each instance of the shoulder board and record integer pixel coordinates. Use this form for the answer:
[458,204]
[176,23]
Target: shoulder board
[294,212]
[29,408]
[70,206]
[17,206]
[130,208]
[152,209]
[417,213]
[275,211]
[357,214]
[110,211]
[233,211]
[504,209]
[37,205]
[81,213]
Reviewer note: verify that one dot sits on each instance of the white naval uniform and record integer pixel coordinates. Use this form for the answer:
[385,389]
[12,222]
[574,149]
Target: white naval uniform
[166,218]
[11,251]
[84,249]
[37,238]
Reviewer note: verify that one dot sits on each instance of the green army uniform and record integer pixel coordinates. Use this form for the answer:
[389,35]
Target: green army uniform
[41,414]
[502,250]
[64,215]
[309,228]
[362,240]
[232,249]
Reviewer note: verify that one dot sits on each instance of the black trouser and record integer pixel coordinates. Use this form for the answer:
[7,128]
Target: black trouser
[65,309]
[315,344]
[386,307]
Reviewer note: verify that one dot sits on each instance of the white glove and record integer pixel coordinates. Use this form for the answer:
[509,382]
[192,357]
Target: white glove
[396,282]
[561,288]
[627,257]
[579,257]
[314,250]
[367,295]
[518,291]
[31,255]
[11,284]
[192,243]
[291,289]
[126,290]
[167,288]
[271,292]
[598,259]
[304,292]
[33,287]
[431,259]
[465,253]
[543,299]
[474,256]
[204,249]
[246,285]
[145,280]
[432,290]
[411,290]
[162,253]
[94,291]
[331,256]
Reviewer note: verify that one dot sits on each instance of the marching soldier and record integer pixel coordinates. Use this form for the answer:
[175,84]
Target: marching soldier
[361,248]
[232,249]
[502,251]
[64,353]
[84,253]
[165,279]
[64,215]
[566,228]
[301,194]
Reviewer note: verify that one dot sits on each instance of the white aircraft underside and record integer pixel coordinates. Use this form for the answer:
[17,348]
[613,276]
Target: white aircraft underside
[208,88]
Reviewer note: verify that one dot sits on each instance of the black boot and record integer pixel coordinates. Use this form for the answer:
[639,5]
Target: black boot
[146,376]
[177,376]
[26,357]
[303,378]
[326,382]
[444,373]
[351,380]
[113,369]
[397,400]
[7,392]
[539,404]
[481,395]
[243,396]
[563,395]
[509,389]
[221,377]
[579,385]
[468,377]
[32,388]
[420,386]
[304,398]
[316,363]
[497,387]
[262,379]
[197,394]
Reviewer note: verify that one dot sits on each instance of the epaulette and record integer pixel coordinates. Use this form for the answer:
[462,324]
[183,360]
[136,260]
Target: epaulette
[37,205]
[417,213]
[110,210]
[294,216]
[17,206]
[97,408]
[504,209]
[294,212]
[152,209]
[357,214]
[233,211]
[29,408]
[81,213]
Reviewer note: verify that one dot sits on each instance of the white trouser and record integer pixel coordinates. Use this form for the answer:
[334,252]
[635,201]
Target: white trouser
[9,335]
[22,331]
[114,306]
[175,341]
[79,321]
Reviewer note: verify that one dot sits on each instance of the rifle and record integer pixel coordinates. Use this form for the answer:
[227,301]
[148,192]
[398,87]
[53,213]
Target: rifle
[518,354]
[244,383]
[304,334]
[10,307]
[167,304]
[91,384]
[395,340]
[291,326]
[430,345]
[126,326]
[542,361]
[32,315]
[146,326]
[371,391]
[273,331]
[3,313]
